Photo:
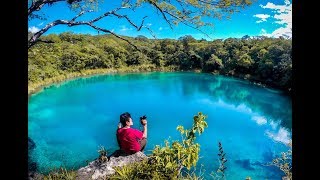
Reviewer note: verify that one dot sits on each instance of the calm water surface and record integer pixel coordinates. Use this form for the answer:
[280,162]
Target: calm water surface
[68,122]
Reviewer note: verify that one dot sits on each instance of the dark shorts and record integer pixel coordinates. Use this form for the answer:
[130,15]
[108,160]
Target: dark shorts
[142,143]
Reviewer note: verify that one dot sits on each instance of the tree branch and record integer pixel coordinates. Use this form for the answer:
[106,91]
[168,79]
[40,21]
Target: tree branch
[106,14]
[183,22]
[45,41]
[215,3]
[151,32]
[37,5]
[162,12]
[142,23]
[128,19]
[35,38]
[108,31]
[80,14]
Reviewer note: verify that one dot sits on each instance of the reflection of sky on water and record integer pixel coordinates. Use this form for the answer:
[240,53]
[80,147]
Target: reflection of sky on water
[276,132]
[72,119]
[231,91]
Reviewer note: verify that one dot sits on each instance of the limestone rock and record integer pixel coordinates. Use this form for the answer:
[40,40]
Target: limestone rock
[97,170]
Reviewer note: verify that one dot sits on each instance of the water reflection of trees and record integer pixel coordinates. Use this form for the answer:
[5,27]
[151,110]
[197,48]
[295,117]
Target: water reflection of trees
[273,105]
[117,77]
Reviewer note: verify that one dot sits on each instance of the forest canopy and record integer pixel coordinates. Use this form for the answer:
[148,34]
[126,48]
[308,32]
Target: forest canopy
[262,59]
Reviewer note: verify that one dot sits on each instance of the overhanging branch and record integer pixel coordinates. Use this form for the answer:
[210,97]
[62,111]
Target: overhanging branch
[108,31]
[37,5]
[162,12]
[35,38]
[184,22]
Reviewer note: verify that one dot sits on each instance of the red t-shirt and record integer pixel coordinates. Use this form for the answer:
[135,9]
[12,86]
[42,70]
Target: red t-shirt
[129,138]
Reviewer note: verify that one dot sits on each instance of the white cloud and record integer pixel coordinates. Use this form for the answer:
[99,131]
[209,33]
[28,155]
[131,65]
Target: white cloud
[40,24]
[149,24]
[276,8]
[273,124]
[33,29]
[260,120]
[282,135]
[160,28]
[283,16]
[124,28]
[287,2]
[262,17]
[243,108]
[282,31]
[112,30]
[263,32]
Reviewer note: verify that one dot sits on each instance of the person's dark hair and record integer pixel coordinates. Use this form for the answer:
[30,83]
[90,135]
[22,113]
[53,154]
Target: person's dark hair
[124,117]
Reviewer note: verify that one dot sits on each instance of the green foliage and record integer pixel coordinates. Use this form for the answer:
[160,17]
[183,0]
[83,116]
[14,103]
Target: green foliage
[266,60]
[61,174]
[222,160]
[102,154]
[284,163]
[166,162]
[213,63]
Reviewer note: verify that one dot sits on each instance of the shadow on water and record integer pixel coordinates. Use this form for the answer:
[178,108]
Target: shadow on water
[245,164]
[32,166]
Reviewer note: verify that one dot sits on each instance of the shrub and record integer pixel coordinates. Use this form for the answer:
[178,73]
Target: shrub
[167,162]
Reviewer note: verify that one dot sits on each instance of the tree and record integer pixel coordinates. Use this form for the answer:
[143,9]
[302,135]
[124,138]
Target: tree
[213,63]
[245,61]
[188,12]
[186,40]
[275,52]
[141,38]
[137,58]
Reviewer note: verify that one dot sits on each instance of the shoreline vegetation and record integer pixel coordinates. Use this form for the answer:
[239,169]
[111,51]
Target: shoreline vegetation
[262,60]
[34,88]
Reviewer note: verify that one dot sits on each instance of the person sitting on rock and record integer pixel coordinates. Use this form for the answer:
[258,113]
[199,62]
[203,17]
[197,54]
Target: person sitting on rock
[131,140]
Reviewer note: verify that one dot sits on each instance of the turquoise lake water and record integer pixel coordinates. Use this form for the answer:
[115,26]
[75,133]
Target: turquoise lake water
[68,122]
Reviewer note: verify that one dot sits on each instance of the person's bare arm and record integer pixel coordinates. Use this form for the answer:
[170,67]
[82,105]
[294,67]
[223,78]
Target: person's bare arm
[145,128]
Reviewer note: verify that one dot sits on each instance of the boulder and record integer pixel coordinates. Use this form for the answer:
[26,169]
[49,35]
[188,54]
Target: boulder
[98,170]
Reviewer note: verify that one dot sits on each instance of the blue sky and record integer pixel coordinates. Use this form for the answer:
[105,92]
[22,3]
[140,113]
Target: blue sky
[271,18]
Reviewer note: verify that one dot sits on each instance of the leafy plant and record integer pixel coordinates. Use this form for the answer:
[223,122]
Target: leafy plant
[222,160]
[284,163]
[61,174]
[167,162]
[193,175]
[102,154]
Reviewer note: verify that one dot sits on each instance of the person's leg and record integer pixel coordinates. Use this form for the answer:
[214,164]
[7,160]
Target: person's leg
[143,144]
[118,142]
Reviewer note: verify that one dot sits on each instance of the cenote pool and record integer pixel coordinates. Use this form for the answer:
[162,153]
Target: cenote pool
[69,121]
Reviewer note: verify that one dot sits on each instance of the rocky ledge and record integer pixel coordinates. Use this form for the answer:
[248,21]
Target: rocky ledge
[97,170]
